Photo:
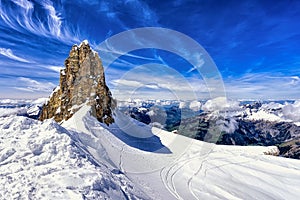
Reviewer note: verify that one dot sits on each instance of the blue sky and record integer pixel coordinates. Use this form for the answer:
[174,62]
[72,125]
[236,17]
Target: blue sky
[255,45]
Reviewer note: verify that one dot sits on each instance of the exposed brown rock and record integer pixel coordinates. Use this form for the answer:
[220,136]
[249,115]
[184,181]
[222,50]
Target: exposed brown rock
[82,81]
[290,149]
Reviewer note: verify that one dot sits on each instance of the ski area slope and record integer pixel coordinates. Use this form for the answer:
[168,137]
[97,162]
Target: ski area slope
[169,166]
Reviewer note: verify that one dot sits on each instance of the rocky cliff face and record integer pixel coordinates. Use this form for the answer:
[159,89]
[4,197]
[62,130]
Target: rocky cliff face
[81,82]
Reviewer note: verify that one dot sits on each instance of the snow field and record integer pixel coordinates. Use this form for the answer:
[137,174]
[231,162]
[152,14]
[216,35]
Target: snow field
[189,169]
[40,161]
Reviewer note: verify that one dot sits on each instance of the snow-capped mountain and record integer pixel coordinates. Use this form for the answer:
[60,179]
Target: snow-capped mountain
[227,122]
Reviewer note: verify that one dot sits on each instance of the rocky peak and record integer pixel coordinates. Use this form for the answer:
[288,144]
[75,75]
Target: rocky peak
[81,82]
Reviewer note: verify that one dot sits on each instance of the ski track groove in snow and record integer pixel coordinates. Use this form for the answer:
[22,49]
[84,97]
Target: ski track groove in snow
[170,184]
[121,161]
[170,175]
[190,180]
[189,183]
[182,164]
[165,182]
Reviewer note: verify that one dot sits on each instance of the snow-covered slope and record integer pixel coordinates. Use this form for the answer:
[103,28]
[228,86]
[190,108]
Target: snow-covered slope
[84,159]
[41,161]
[170,166]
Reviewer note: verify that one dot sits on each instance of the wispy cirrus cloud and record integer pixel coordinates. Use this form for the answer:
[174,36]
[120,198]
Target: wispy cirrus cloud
[8,53]
[40,18]
[148,82]
[148,85]
[201,62]
[263,86]
[31,85]
[55,68]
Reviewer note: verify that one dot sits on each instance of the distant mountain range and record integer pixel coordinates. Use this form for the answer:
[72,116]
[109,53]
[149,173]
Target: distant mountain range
[237,123]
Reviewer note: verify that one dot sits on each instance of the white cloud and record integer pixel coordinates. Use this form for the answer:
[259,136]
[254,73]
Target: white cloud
[151,82]
[24,4]
[22,16]
[134,84]
[153,86]
[220,103]
[200,62]
[157,82]
[122,82]
[295,80]
[54,21]
[30,85]
[8,53]
[263,86]
[55,68]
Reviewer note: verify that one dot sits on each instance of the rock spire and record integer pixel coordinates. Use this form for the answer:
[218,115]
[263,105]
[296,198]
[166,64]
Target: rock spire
[81,82]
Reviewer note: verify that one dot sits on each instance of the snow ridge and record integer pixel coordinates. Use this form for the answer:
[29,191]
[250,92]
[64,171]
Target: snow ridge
[191,169]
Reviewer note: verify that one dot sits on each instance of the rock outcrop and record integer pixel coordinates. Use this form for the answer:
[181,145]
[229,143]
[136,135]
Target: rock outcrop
[81,82]
[290,149]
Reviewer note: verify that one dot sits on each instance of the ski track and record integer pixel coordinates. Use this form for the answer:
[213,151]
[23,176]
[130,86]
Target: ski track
[171,172]
[176,172]
[165,182]
[190,180]
[121,155]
